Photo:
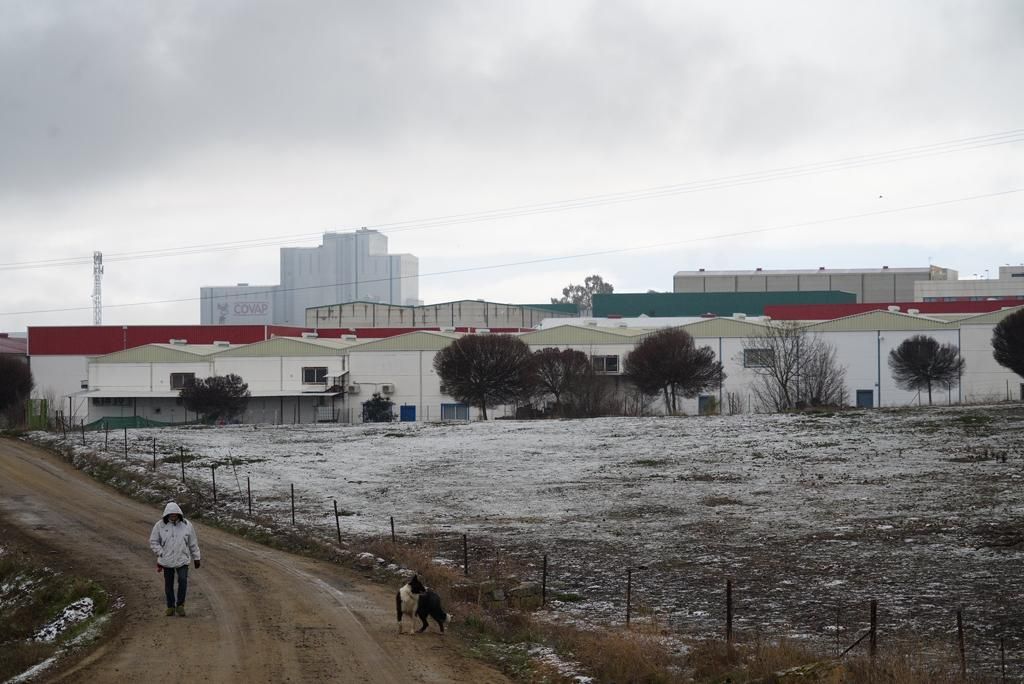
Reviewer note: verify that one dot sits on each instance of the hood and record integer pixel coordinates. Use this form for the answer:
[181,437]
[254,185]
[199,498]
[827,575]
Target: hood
[172,508]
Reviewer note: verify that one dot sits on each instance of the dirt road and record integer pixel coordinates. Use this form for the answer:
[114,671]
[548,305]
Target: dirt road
[255,614]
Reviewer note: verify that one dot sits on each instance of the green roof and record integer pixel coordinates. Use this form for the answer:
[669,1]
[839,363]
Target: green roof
[156,353]
[676,304]
[880,320]
[423,340]
[582,334]
[990,318]
[290,346]
[568,308]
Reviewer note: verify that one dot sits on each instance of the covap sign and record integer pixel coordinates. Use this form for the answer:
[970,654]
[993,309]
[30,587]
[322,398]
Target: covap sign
[251,308]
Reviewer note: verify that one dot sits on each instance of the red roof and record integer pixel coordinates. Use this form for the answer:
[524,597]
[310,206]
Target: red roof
[94,340]
[827,312]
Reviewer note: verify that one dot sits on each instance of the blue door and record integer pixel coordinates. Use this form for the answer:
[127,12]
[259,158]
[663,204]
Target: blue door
[407,414]
[865,398]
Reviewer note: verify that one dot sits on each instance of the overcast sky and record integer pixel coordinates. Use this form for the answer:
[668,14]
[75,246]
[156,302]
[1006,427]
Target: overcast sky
[135,126]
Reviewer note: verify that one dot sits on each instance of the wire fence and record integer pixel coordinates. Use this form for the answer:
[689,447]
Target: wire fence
[479,558]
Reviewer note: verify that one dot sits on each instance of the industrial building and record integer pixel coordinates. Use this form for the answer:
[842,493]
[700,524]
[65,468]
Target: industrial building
[868,285]
[346,267]
[677,304]
[474,313]
[1007,288]
[315,378]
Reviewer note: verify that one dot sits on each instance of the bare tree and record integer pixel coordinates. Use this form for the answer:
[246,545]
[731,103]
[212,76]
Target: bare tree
[793,368]
[920,361]
[1008,342]
[668,362]
[485,370]
[560,373]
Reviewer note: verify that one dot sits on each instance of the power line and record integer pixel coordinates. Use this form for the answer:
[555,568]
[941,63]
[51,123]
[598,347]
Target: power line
[620,250]
[724,182]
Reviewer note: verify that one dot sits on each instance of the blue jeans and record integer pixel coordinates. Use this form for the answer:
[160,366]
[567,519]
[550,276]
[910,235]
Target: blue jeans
[182,574]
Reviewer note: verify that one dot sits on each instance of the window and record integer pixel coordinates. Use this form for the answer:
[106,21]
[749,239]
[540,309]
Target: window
[605,364]
[454,412]
[314,375]
[757,358]
[182,380]
[109,401]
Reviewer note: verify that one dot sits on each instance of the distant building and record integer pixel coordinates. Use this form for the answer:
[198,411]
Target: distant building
[869,285]
[347,267]
[684,304]
[1009,286]
[473,313]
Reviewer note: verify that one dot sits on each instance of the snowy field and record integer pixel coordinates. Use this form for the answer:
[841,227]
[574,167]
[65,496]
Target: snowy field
[920,509]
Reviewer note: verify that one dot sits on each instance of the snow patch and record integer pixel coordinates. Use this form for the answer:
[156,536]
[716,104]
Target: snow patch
[77,612]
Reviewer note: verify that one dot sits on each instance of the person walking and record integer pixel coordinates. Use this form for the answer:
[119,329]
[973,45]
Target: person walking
[175,543]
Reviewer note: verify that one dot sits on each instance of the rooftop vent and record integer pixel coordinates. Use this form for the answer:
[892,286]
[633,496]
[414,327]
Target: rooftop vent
[221,343]
[739,316]
[175,341]
[349,338]
[447,328]
[913,312]
[894,308]
[482,331]
[310,335]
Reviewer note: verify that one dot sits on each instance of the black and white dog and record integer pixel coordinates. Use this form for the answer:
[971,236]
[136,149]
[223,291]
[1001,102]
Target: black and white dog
[416,600]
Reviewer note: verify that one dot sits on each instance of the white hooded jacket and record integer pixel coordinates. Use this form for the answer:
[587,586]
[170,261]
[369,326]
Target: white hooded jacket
[174,543]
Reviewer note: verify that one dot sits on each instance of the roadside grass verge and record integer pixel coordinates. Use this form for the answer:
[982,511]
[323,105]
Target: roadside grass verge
[32,596]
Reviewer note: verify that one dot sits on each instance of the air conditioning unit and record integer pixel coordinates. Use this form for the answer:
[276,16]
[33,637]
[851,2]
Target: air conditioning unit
[353,389]
[387,388]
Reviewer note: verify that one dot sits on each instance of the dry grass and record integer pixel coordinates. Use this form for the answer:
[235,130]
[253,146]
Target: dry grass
[767,663]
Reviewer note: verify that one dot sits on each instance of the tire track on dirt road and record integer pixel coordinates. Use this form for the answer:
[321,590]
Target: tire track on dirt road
[255,614]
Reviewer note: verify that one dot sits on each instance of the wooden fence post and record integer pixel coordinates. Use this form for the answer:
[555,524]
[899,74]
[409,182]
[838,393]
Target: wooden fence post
[154,453]
[248,493]
[629,593]
[213,474]
[960,642]
[728,612]
[83,431]
[544,582]
[465,556]
[1002,658]
[106,434]
[336,523]
[873,641]
[293,504]
[392,529]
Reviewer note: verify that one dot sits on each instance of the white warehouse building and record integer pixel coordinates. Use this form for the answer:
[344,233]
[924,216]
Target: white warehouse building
[318,379]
